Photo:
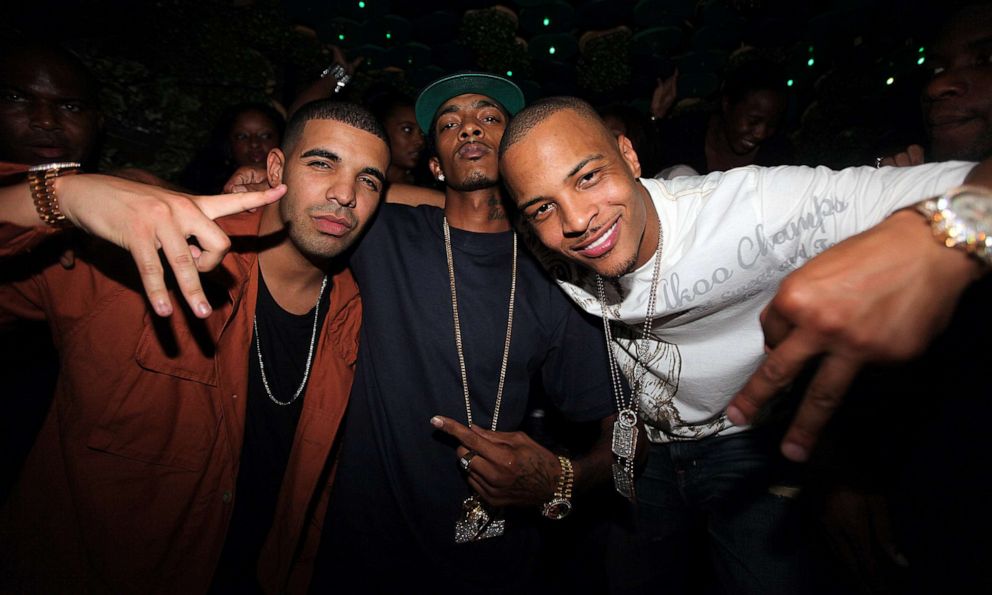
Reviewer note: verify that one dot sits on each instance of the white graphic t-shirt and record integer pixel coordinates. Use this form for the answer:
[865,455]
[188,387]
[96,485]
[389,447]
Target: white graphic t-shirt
[729,239]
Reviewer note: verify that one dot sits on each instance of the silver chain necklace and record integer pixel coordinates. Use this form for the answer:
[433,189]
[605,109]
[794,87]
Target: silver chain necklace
[477,522]
[313,341]
[625,427]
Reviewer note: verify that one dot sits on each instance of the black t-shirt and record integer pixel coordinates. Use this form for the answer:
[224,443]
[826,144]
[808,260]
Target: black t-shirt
[398,489]
[285,339]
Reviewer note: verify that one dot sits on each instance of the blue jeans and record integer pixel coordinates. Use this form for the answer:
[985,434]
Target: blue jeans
[729,496]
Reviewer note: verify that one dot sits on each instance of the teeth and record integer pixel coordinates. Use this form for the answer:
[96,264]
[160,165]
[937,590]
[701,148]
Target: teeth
[602,239]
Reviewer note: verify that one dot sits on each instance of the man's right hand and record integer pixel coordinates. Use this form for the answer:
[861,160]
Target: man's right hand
[913,155]
[145,219]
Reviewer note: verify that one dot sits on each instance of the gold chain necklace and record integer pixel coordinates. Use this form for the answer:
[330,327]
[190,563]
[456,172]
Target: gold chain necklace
[477,522]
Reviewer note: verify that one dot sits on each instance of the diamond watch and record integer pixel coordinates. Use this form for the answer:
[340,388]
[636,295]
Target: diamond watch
[560,504]
[962,218]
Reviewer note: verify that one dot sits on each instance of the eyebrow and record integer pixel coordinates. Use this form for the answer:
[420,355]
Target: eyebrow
[374,172]
[582,164]
[479,103]
[971,46]
[578,167]
[331,156]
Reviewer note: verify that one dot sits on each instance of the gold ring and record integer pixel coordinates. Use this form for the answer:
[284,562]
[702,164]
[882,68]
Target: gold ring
[467,460]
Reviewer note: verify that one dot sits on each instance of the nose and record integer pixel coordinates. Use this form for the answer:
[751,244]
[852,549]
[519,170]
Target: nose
[43,116]
[471,128]
[949,83]
[760,132]
[343,193]
[577,216]
[418,140]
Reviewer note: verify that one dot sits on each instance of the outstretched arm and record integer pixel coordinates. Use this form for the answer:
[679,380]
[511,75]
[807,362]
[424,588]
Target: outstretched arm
[876,297]
[144,219]
[511,469]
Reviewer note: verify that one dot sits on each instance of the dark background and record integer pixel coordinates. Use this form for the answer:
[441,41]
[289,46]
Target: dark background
[168,68]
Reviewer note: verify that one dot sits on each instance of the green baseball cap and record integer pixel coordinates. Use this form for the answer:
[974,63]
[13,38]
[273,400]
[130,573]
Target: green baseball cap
[482,83]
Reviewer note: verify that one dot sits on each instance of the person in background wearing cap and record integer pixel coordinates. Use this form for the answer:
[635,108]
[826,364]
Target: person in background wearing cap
[456,506]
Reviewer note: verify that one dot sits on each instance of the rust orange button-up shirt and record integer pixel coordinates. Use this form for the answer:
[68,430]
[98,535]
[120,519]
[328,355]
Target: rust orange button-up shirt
[131,483]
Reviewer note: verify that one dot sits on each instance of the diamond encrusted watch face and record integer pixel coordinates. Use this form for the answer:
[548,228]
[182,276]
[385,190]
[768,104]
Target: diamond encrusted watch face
[973,209]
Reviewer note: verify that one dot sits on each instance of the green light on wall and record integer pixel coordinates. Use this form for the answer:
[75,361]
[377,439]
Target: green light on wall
[810,62]
[551,50]
[890,80]
[361,5]
[547,22]
[389,35]
[340,36]
[509,73]
[789,83]
[920,50]
[921,60]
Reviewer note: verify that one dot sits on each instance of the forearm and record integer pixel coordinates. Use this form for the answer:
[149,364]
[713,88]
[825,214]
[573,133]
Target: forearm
[17,207]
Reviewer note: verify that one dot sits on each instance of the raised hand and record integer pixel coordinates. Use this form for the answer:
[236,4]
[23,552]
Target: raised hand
[879,296]
[144,219]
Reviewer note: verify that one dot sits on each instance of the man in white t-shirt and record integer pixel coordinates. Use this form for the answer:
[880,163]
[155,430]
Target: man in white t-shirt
[712,251]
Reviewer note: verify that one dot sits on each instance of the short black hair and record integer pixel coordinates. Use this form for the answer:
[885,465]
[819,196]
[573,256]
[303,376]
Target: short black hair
[351,114]
[539,111]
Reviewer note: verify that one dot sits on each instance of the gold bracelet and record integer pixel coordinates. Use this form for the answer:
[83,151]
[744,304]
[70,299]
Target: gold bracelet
[41,178]
[560,504]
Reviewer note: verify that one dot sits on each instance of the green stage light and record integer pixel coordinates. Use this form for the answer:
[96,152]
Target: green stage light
[509,73]
[810,62]
[547,22]
[551,50]
[789,83]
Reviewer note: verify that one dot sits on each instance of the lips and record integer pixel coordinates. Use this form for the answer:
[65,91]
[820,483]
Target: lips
[50,152]
[331,225]
[601,243]
[949,120]
[473,150]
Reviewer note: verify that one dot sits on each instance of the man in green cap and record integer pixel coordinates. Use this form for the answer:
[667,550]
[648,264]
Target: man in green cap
[460,323]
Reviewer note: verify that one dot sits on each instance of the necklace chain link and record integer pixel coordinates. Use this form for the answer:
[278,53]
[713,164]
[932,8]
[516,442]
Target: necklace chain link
[313,342]
[458,329]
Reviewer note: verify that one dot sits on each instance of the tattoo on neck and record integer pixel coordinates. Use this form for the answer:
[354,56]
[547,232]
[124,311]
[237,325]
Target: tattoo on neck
[496,210]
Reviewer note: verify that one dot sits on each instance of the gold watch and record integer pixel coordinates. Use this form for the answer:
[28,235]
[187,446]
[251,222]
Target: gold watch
[560,504]
[962,218]
[41,179]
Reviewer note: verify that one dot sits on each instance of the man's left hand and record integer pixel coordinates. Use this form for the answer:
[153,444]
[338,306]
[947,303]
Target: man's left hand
[510,469]
[880,296]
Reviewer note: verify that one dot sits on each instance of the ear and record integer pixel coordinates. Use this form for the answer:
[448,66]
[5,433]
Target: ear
[435,166]
[629,155]
[274,165]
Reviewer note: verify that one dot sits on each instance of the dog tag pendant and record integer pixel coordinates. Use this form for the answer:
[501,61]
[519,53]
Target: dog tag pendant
[623,480]
[625,434]
[476,523]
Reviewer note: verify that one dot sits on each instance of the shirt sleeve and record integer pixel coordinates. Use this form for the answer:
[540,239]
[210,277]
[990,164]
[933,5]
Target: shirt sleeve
[576,373]
[851,200]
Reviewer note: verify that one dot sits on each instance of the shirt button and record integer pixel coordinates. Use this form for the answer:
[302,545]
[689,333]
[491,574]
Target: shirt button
[226,497]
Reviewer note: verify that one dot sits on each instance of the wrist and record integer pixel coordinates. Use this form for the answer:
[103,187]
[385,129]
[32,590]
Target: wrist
[560,504]
[44,182]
